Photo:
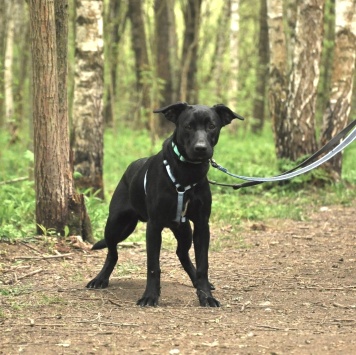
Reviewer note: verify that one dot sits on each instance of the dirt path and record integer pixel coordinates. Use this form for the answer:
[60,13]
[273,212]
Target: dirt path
[291,290]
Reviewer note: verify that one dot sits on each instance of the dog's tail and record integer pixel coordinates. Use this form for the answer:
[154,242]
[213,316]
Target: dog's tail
[101,244]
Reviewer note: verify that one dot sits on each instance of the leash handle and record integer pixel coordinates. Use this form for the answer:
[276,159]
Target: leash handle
[302,167]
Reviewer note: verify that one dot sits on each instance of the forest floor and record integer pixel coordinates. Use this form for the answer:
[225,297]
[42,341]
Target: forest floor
[289,288]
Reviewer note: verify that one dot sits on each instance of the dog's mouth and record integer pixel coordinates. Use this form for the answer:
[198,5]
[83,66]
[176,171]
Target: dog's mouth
[200,156]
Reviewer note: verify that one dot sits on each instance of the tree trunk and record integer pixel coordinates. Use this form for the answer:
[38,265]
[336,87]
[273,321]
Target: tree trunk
[22,88]
[277,91]
[164,51]
[188,81]
[298,136]
[11,12]
[88,123]
[217,74]
[338,108]
[139,46]
[234,52]
[113,36]
[262,71]
[53,174]
[2,57]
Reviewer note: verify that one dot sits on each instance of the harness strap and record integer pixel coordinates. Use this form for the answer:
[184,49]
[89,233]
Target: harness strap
[301,168]
[180,215]
[145,182]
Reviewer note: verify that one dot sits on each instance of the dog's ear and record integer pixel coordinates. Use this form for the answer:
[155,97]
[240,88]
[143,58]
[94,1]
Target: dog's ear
[225,114]
[171,112]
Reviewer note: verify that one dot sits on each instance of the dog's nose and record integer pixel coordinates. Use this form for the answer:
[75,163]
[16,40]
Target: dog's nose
[200,147]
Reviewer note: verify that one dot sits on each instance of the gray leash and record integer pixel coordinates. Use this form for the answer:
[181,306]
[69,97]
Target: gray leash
[302,168]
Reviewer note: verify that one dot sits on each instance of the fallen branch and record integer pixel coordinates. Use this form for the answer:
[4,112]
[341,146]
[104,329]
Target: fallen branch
[109,323]
[42,257]
[30,274]
[12,181]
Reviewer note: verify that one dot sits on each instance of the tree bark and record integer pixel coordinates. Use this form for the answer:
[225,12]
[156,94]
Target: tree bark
[338,108]
[114,27]
[277,91]
[23,41]
[11,11]
[53,173]
[262,71]
[2,57]
[138,35]
[217,74]
[52,170]
[298,137]
[188,81]
[88,122]
[163,32]
[234,52]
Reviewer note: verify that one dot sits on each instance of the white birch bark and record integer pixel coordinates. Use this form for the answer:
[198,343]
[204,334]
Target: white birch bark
[88,95]
[11,7]
[234,52]
[299,138]
[277,92]
[338,107]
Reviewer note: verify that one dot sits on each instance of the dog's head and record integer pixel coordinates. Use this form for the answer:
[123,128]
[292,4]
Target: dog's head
[197,127]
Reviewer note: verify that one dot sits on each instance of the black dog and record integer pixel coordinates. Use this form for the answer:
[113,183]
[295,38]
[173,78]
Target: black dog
[169,189]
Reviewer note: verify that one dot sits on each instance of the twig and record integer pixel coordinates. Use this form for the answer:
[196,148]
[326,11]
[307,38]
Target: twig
[12,181]
[16,278]
[116,304]
[43,257]
[109,323]
[31,247]
[272,328]
[30,274]
[343,306]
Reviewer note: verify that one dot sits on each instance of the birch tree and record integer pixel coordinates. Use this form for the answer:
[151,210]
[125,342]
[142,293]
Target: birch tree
[293,105]
[299,136]
[262,71]
[277,92]
[2,41]
[88,123]
[338,108]
[234,52]
[11,11]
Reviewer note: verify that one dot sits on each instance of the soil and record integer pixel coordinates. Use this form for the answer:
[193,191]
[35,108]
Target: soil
[288,288]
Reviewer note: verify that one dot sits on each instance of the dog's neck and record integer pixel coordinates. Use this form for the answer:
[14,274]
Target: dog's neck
[180,155]
[184,171]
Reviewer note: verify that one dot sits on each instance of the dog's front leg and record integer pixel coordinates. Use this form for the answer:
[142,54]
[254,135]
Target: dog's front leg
[153,248]
[201,239]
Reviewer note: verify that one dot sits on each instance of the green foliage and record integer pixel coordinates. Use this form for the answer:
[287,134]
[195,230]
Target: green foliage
[242,153]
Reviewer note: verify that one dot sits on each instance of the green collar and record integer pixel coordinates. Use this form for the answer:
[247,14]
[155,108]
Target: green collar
[180,156]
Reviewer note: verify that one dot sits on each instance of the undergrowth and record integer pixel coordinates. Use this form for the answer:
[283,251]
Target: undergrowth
[242,153]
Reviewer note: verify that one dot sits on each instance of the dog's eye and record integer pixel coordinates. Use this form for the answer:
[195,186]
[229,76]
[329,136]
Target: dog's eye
[211,126]
[188,127]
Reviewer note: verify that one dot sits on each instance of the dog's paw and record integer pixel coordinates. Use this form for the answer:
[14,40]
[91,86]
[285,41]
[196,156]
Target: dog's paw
[207,300]
[148,301]
[98,283]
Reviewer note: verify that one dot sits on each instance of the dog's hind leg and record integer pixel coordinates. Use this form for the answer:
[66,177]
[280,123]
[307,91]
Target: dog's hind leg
[117,229]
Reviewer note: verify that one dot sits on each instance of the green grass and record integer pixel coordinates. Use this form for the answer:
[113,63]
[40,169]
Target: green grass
[242,153]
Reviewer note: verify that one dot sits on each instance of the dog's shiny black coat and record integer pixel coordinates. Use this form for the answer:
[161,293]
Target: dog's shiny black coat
[196,134]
